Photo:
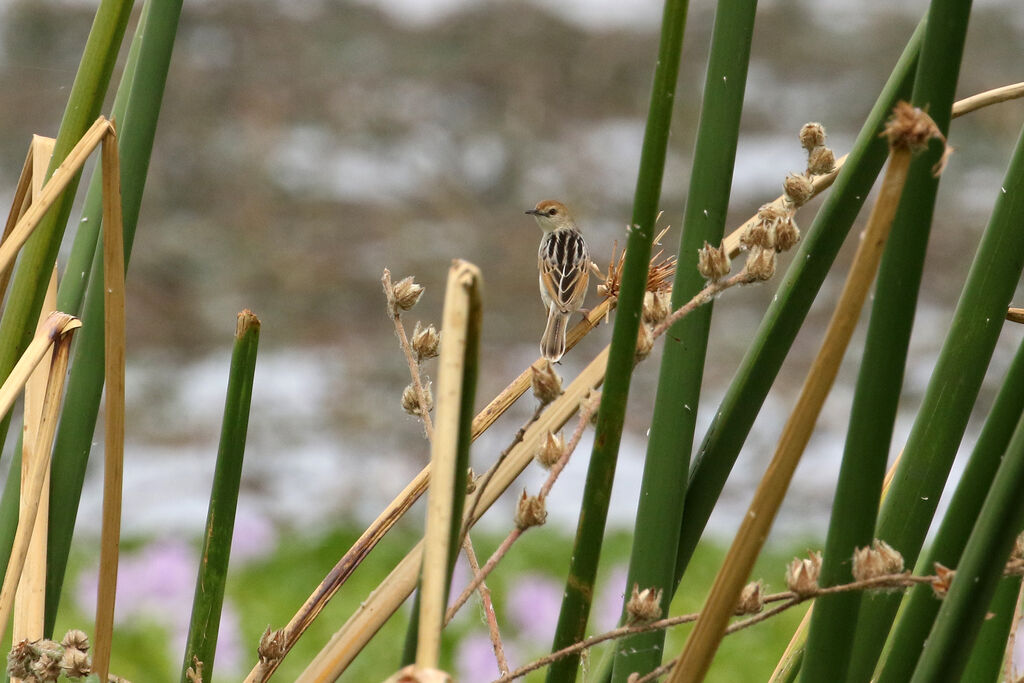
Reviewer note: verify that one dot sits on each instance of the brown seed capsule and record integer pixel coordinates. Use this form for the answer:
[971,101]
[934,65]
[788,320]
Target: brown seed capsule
[761,263]
[410,402]
[406,294]
[76,639]
[786,234]
[46,668]
[644,605]
[657,306]
[551,450]
[713,263]
[802,575]
[891,557]
[812,135]
[798,189]
[272,646]
[425,341]
[75,663]
[530,512]
[547,385]
[820,161]
[751,598]
[943,579]
[20,659]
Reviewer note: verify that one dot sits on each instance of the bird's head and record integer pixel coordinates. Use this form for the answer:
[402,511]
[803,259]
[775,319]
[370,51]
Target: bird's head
[552,215]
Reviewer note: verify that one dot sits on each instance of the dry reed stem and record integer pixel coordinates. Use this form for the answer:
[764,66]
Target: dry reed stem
[1015,315]
[488,606]
[114,364]
[57,183]
[461,315]
[57,333]
[30,185]
[30,599]
[517,531]
[396,587]
[410,358]
[703,642]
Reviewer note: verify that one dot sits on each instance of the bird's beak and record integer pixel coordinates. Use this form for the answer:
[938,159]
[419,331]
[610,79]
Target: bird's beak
[533,212]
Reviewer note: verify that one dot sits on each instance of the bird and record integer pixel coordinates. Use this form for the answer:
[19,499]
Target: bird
[564,264]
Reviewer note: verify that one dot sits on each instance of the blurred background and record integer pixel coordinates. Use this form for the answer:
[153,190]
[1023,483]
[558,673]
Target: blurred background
[305,145]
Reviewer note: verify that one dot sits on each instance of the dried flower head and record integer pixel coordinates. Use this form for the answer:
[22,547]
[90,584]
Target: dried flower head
[892,559]
[821,160]
[943,578]
[713,263]
[76,664]
[802,575]
[551,450]
[798,189]
[530,512]
[411,404]
[272,645]
[406,293]
[761,263]
[425,341]
[644,342]
[786,234]
[19,660]
[77,639]
[657,306]
[812,135]
[45,647]
[751,598]
[644,605]
[759,234]
[46,668]
[547,385]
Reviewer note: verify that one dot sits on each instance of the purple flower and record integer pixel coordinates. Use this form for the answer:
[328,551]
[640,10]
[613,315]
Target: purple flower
[533,605]
[611,598]
[475,660]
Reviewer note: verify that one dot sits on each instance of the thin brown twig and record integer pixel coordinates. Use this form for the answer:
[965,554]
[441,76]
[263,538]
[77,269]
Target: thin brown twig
[488,607]
[410,357]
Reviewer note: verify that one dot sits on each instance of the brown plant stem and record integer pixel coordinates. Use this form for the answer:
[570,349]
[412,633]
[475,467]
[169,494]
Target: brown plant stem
[488,607]
[410,357]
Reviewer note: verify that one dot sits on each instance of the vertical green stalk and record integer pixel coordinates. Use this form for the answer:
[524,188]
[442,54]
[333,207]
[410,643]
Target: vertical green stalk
[963,609]
[880,379]
[782,321]
[917,618]
[572,620]
[656,533]
[989,650]
[220,519]
[85,384]
[40,252]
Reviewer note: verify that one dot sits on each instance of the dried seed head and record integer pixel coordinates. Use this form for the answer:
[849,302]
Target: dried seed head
[812,135]
[591,404]
[644,605]
[406,294]
[547,385]
[713,263]
[786,234]
[48,648]
[551,450]
[761,263]
[411,404]
[910,127]
[943,578]
[644,343]
[798,189]
[867,564]
[272,645]
[77,639]
[19,660]
[820,161]
[425,341]
[892,559]
[530,512]
[802,575]
[657,306]
[75,663]
[758,235]
[751,598]
[46,668]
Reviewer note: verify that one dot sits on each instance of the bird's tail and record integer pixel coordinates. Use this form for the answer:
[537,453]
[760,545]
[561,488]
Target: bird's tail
[552,344]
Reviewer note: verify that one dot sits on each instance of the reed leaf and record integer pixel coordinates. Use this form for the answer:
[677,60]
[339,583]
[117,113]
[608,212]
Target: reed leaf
[579,588]
[656,531]
[782,321]
[201,645]
[990,648]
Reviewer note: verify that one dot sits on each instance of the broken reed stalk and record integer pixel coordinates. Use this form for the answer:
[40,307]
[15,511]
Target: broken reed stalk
[456,383]
[56,332]
[30,599]
[907,130]
[114,364]
[27,192]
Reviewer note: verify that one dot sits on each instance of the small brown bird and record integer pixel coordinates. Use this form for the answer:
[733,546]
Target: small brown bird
[564,265]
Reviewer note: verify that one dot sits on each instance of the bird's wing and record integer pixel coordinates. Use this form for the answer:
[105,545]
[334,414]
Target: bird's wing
[564,265]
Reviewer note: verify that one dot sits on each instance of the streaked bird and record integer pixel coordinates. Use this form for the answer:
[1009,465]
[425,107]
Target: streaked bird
[564,265]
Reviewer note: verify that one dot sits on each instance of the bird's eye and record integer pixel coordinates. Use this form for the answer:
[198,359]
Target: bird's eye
[552,212]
